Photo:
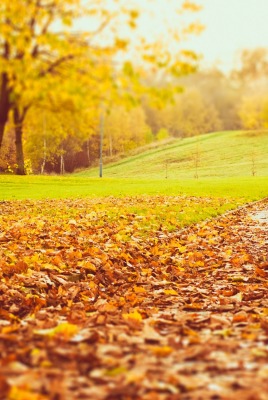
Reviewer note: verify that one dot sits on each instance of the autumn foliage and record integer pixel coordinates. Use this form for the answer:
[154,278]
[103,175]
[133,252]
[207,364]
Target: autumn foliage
[68,58]
[105,304]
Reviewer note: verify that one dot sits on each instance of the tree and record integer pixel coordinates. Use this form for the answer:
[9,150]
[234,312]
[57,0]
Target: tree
[188,115]
[252,77]
[39,52]
[125,130]
[43,58]
[56,136]
[219,91]
[33,56]
[253,112]
[8,153]
[252,72]
[198,115]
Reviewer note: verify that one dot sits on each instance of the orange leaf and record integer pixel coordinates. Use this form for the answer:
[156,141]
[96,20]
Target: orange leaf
[139,289]
[162,351]
[261,272]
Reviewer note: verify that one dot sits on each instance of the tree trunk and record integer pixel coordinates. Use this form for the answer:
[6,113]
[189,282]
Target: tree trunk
[2,130]
[19,145]
[45,147]
[88,153]
[4,105]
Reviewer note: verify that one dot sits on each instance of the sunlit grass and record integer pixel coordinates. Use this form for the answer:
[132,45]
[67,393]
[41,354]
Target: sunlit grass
[220,154]
[152,190]
[42,187]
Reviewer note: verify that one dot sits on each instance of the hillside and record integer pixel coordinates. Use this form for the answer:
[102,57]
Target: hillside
[222,154]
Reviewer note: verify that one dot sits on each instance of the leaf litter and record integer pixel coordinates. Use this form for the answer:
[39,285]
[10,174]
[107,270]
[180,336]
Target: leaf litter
[94,306]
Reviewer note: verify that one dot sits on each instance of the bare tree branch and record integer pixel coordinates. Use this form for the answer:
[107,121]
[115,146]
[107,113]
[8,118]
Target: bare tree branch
[101,27]
[56,64]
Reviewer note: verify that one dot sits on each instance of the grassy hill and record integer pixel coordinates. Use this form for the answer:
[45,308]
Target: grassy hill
[223,161]
[220,154]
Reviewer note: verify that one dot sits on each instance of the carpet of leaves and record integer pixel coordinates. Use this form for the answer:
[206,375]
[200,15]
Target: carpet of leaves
[92,311]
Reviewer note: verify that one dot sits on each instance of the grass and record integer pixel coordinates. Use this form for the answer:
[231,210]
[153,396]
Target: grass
[52,187]
[219,154]
[158,184]
[161,204]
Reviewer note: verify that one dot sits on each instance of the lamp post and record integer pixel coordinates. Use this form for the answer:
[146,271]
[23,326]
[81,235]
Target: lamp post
[101,141]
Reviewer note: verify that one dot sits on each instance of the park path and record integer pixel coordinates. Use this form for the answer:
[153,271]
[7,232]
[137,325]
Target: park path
[260,216]
[187,321]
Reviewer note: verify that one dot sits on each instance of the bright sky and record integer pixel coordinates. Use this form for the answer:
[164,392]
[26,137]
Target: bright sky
[231,25]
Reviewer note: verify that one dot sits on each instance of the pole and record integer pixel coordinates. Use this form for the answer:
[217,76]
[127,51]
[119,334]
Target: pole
[166,169]
[101,140]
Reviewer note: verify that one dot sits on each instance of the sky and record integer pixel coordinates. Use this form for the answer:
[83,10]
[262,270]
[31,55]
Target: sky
[231,25]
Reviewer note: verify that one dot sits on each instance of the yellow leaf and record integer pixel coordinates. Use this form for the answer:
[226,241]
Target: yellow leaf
[191,6]
[116,371]
[223,332]
[199,264]
[139,289]
[67,330]
[162,351]
[64,330]
[182,249]
[171,292]
[133,315]
[24,394]
[92,285]
[88,265]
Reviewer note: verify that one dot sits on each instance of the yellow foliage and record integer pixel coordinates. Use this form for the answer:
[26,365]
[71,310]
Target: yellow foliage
[171,292]
[64,331]
[139,289]
[161,351]
[135,315]
[24,394]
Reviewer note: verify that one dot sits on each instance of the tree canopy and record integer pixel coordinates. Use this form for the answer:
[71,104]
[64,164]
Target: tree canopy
[60,55]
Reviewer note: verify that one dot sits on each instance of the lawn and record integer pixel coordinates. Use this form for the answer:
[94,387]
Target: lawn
[219,154]
[170,204]
[72,186]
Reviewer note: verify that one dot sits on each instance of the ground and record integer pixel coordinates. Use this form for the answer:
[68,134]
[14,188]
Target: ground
[92,312]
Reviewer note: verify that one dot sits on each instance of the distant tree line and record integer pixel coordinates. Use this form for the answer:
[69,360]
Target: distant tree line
[209,101]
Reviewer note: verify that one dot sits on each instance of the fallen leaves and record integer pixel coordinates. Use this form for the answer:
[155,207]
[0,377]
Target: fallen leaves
[101,301]
[24,394]
[134,315]
[63,331]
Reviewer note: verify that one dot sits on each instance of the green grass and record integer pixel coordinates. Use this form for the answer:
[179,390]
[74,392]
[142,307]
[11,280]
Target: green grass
[220,154]
[129,205]
[52,187]
[138,185]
